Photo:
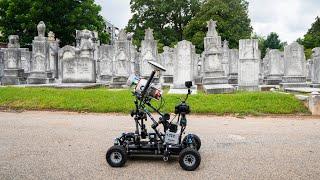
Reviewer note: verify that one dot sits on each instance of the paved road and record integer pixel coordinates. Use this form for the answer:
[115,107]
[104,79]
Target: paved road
[61,145]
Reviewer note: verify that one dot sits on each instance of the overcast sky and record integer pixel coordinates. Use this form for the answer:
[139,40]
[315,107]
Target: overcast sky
[291,19]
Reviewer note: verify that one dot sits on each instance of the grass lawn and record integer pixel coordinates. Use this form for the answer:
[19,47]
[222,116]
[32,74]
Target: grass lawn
[121,101]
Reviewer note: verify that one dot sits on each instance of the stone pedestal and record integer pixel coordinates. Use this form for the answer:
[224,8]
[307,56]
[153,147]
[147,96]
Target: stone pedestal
[249,65]
[294,66]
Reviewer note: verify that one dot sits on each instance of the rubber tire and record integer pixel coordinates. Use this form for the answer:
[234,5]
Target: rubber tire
[185,152]
[196,139]
[119,149]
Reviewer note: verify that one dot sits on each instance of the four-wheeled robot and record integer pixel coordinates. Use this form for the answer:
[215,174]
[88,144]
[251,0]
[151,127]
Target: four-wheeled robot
[166,143]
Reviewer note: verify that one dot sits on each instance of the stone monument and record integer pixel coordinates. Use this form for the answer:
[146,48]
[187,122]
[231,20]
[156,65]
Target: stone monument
[294,66]
[40,67]
[122,64]
[53,54]
[214,77]
[149,52]
[104,63]
[26,61]
[92,41]
[77,64]
[13,74]
[309,67]
[225,57]
[1,64]
[166,59]
[275,67]
[183,67]
[233,66]
[315,68]
[249,65]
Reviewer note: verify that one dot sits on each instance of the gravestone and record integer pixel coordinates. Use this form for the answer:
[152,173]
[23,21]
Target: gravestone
[149,52]
[40,67]
[315,68]
[77,63]
[105,63]
[233,66]
[53,54]
[264,67]
[214,77]
[166,59]
[1,64]
[225,57]
[249,65]
[122,62]
[309,70]
[275,67]
[294,66]
[183,67]
[25,61]
[91,40]
[12,73]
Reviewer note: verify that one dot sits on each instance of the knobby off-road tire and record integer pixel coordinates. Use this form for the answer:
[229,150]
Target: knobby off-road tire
[189,159]
[116,156]
[196,139]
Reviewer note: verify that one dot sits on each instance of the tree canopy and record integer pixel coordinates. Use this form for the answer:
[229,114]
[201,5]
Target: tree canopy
[62,17]
[312,38]
[272,42]
[232,18]
[166,17]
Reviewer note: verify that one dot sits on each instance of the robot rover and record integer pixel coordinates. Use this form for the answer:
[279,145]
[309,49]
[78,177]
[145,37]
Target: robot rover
[169,141]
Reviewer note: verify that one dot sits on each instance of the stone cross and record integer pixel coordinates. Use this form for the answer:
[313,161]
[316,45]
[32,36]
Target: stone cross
[212,31]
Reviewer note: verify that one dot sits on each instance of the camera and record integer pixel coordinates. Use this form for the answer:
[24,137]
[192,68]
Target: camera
[182,108]
[188,84]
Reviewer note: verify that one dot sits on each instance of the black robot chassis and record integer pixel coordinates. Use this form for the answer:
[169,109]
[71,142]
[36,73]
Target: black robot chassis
[167,142]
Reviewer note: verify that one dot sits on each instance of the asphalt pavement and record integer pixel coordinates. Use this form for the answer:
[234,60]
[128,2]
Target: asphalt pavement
[63,145]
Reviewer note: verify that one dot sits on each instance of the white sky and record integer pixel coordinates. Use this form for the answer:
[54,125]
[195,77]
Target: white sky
[291,19]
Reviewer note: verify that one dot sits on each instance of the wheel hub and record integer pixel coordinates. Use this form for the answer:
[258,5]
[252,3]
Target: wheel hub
[189,160]
[116,157]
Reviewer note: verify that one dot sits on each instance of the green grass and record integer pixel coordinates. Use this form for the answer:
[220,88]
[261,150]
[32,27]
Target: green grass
[121,101]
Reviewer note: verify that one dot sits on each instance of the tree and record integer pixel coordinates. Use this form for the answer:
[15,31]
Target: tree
[166,17]
[272,42]
[232,18]
[312,38]
[62,17]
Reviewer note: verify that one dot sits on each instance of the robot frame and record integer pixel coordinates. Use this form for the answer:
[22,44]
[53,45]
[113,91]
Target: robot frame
[167,143]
